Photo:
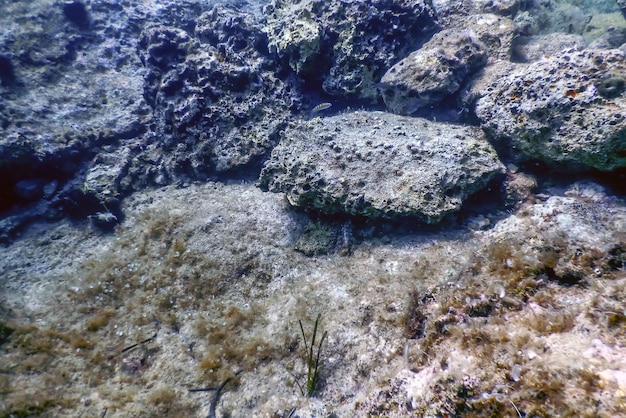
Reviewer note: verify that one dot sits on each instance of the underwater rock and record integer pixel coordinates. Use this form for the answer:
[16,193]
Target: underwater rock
[433,72]
[70,83]
[346,46]
[534,48]
[497,33]
[73,84]
[380,165]
[622,6]
[102,180]
[453,8]
[517,188]
[217,97]
[568,108]
[317,239]
[613,38]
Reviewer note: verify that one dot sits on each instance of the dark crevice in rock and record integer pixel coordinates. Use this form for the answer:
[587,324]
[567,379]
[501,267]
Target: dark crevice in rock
[563,175]
[76,12]
[7,71]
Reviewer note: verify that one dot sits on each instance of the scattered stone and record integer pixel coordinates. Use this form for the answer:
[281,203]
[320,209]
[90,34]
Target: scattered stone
[102,180]
[478,222]
[380,165]
[518,188]
[104,220]
[317,239]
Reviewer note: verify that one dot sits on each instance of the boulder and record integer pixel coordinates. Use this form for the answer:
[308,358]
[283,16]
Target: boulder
[433,72]
[346,46]
[450,12]
[568,108]
[165,92]
[380,165]
[497,33]
[66,88]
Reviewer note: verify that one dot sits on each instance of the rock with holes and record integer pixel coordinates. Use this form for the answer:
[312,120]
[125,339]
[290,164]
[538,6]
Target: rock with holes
[217,96]
[346,46]
[380,165]
[433,72]
[568,110]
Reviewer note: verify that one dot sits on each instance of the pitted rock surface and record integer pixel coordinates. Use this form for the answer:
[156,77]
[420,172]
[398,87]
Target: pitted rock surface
[497,33]
[433,72]
[346,46]
[534,48]
[568,108]
[380,165]
[217,97]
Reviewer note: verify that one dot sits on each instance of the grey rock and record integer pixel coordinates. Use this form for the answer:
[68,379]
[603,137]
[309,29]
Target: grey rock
[217,97]
[590,19]
[568,108]
[502,7]
[346,46]
[433,72]
[534,48]
[73,86]
[497,33]
[68,87]
[317,239]
[380,165]
[481,81]
[517,188]
[613,38]
[449,12]
[103,177]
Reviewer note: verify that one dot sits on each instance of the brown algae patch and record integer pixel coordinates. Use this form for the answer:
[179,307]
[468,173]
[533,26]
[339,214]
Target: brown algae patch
[203,287]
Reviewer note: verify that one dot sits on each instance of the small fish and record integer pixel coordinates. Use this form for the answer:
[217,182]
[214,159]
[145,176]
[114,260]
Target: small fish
[320,107]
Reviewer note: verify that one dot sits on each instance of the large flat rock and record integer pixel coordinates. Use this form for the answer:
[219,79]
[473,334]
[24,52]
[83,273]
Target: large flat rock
[380,165]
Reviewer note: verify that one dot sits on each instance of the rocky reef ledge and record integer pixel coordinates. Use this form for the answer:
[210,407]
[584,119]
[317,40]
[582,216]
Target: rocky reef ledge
[103,99]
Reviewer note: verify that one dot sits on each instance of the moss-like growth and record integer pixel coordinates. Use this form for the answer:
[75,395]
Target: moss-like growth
[100,320]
